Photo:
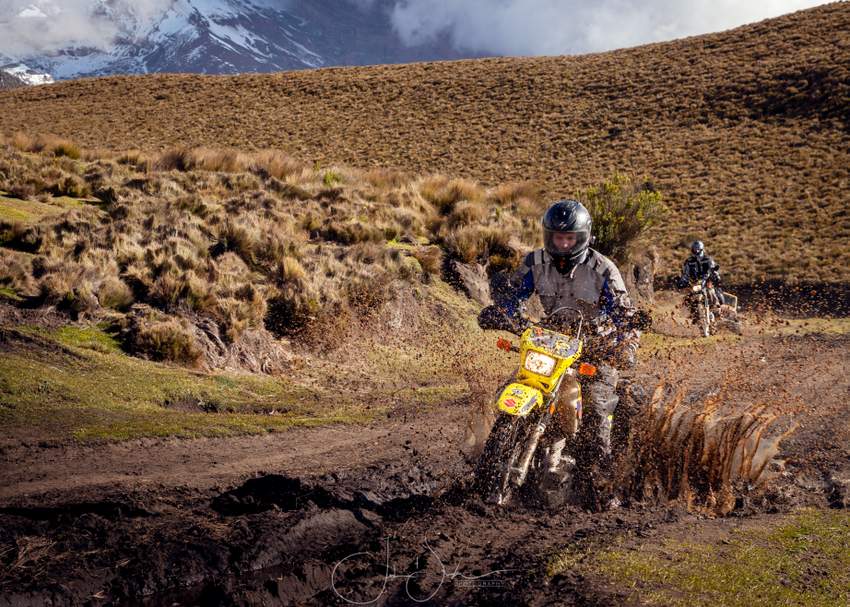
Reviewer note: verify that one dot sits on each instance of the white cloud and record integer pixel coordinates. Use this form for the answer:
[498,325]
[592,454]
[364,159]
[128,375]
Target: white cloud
[556,27]
[500,27]
[43,26]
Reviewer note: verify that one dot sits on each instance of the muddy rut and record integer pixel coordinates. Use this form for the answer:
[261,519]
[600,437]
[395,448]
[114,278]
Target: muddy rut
[382,515]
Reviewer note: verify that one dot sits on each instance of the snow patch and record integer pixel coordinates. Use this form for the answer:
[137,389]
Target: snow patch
[32,12]
[25,74]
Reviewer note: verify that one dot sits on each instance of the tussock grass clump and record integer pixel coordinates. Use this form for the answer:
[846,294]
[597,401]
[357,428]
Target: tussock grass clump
[515,192]
[114,293]
[386,179]
[164,339]
[19,237]
[200,248]
[430,258]
[16,274]
[29,177]
[274,163]
[622,209]
[483,244]
[444,193]
[330,178]
[137,160]
[49,144]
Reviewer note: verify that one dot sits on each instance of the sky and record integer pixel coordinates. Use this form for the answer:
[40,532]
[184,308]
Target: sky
[493,27]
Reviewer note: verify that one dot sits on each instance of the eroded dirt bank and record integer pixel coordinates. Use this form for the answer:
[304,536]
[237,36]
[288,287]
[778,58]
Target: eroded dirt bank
[287,519]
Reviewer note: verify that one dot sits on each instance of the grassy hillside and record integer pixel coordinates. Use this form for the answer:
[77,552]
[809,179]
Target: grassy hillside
[746,131]
[219,262]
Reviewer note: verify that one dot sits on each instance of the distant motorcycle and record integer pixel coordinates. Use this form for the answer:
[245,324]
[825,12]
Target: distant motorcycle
[704,305]
[706,308]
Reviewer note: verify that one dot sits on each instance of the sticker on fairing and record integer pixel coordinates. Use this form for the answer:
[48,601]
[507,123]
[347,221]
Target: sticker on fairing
[517,399]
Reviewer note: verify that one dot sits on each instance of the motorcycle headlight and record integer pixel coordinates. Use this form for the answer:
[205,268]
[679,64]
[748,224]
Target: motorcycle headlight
[696,288]
[539,363]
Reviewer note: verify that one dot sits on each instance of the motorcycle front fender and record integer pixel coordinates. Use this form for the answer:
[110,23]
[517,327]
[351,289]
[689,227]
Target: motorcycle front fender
[519,400]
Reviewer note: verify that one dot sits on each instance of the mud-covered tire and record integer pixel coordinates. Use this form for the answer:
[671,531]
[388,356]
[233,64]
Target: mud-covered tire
[705,318]
[492,467]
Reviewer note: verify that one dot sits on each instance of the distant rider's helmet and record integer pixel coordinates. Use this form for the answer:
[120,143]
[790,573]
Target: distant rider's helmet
[566,233]
[698,249]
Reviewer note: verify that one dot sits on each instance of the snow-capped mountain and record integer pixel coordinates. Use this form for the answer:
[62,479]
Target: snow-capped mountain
[225,37]
[8,81]
[26,74]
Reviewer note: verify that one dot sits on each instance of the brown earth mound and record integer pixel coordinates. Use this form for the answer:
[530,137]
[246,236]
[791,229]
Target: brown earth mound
[744,131]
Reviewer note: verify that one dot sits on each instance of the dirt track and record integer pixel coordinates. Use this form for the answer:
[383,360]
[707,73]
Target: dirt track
[265,520]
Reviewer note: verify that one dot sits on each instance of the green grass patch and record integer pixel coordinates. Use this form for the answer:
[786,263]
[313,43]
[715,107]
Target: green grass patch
[86,389]
[402,246]
[433,395]
[651,343]
[30,211]
[816,326]
[9,293]
[26,211]
[68,202]
[803,560]
[97,338]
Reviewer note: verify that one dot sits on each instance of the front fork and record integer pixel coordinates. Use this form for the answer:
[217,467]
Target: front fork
[519,473]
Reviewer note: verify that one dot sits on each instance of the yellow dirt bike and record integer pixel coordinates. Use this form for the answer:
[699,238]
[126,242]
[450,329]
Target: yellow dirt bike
[549,367]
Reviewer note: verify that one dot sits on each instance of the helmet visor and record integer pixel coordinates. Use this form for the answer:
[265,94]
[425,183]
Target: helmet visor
[565,243]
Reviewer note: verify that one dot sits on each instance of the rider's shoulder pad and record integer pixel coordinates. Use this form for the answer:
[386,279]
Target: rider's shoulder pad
[536,257]
[601,264]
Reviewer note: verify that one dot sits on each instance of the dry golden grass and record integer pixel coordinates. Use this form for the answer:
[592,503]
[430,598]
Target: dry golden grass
[745,132]
[213,241]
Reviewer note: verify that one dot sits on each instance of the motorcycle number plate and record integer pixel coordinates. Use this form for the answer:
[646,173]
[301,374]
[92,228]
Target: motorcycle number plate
[518,399]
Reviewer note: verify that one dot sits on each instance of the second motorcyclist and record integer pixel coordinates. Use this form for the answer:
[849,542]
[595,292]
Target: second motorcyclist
[698,267]
[567,272]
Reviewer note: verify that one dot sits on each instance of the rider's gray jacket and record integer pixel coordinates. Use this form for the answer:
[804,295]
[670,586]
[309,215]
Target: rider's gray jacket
[595,286]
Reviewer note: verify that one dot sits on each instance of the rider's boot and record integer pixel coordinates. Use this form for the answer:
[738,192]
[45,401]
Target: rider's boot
[554,483]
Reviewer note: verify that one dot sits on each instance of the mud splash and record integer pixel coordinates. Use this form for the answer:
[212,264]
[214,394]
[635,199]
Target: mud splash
[689,449]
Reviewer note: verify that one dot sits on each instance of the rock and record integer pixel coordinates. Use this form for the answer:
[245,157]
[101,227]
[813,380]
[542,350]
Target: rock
[839,492]
[474,279]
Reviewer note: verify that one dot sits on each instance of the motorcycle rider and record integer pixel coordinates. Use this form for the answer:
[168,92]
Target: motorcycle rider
[700,266]
[568,272]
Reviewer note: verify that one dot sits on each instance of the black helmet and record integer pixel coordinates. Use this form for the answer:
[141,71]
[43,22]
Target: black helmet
[698,248]
[567,217]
